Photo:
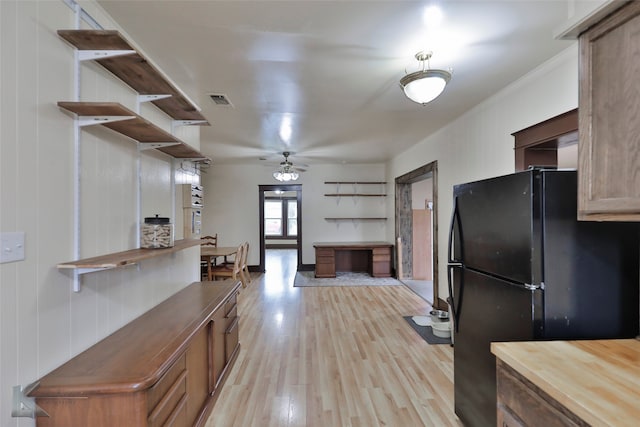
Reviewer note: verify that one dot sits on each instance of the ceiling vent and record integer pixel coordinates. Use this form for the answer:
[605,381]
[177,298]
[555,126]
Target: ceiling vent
[220,99]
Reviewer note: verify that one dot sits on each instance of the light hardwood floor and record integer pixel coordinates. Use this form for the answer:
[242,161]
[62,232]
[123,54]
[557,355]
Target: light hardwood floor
[333,357]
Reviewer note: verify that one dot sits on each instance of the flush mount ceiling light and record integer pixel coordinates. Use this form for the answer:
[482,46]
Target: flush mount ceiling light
[426,85]
[286,171]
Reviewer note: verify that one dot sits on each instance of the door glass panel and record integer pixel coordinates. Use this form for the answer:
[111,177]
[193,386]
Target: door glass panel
[273,227]
[292,218]
[292,227]
[273,217]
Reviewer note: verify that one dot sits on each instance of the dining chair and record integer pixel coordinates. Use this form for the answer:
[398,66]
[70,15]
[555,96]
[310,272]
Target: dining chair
[228,270]
[244,268]
[206,261]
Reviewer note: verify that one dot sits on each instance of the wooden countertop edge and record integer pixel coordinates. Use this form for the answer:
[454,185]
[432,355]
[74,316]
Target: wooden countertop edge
[351,244]
[566,395]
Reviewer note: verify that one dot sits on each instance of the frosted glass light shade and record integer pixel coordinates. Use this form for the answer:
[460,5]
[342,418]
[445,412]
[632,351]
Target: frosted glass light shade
[284,176]
[424,86]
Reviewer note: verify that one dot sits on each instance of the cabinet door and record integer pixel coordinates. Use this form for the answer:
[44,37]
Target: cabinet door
[609,129]
[216,349]
[198,369]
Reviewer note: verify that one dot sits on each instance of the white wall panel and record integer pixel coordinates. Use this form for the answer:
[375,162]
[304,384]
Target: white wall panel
[479,144]
[231,205]
[42,322]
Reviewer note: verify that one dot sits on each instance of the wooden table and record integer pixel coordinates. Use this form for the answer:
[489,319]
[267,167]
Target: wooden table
[209,253]
[372,257]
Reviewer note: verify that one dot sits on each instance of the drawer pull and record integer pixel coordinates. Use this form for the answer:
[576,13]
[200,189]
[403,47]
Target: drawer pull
[233,310]
[232,326]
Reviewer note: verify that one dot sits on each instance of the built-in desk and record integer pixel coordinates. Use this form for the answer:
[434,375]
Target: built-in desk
[372,257]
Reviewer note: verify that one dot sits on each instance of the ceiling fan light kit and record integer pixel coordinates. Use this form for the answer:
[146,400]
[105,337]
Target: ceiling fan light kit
[285,171]
[425,85]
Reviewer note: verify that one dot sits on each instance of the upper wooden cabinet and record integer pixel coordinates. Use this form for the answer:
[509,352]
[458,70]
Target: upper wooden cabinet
[609,108]
[538,145]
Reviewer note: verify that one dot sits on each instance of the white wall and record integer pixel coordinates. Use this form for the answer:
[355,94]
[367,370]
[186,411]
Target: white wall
[231,205]
[43,322]
[479,144]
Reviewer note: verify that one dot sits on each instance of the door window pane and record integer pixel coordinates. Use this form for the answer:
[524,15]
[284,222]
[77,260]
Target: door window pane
[292,218]
[273,217]
[273,227]
[292,227]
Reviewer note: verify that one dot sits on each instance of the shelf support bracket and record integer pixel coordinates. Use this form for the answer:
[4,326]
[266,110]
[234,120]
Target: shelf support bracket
[188,122]
[81,271]
[91,55]
[25,406]
[151,98]
[155,145]
[196,159]
[100,120]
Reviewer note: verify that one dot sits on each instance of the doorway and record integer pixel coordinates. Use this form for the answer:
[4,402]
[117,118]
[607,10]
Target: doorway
[417,231]
[292,234]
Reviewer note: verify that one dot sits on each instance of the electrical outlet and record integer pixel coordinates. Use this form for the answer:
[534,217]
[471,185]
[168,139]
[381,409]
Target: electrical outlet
[11,246]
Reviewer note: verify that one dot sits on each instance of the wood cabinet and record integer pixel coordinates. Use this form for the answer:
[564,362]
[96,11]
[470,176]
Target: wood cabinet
[164,368]
[521,403]
[372,257]
[568,383]
[609,130]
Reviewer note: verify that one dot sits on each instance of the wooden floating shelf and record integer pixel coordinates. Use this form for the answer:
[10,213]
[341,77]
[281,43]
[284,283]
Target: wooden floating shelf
[133,69]
[124,121]
[354,195]
[121,259]
[356,219]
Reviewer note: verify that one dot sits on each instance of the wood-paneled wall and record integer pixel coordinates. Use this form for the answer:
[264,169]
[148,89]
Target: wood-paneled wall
[43,322]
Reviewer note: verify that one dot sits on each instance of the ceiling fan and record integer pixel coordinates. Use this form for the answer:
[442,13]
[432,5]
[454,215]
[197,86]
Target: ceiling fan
[286,170]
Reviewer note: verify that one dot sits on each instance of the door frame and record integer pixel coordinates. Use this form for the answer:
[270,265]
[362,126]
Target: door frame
[404,221]
[281,187]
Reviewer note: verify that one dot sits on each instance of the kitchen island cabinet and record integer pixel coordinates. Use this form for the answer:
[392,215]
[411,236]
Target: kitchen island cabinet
[164,368]
[591,382]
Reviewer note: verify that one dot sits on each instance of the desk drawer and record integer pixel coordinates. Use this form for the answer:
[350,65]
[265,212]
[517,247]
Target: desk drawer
[320,252]
[382,252]
[325,260]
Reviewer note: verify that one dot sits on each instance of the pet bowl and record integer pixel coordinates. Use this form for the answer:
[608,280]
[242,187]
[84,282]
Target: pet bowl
[442,329]
[439,315]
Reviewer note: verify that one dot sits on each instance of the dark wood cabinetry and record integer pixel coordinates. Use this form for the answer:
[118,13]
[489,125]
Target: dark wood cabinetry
[164,368]
[372,257]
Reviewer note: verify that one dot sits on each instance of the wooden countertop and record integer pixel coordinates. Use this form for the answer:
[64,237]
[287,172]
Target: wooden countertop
[598,380]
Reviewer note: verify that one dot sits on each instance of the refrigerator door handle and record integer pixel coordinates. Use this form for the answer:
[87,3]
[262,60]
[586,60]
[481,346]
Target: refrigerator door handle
[455,221]
[455,309]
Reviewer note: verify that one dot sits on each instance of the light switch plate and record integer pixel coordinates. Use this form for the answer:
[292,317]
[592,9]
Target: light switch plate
[11,246]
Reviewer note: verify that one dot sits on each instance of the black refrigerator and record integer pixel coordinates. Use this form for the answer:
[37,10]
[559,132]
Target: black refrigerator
[521,268]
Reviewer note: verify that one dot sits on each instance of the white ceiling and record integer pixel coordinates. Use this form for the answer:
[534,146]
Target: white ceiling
[331,68]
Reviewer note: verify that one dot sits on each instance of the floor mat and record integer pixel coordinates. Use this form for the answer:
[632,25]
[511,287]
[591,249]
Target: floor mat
[426,332]
[306,278]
